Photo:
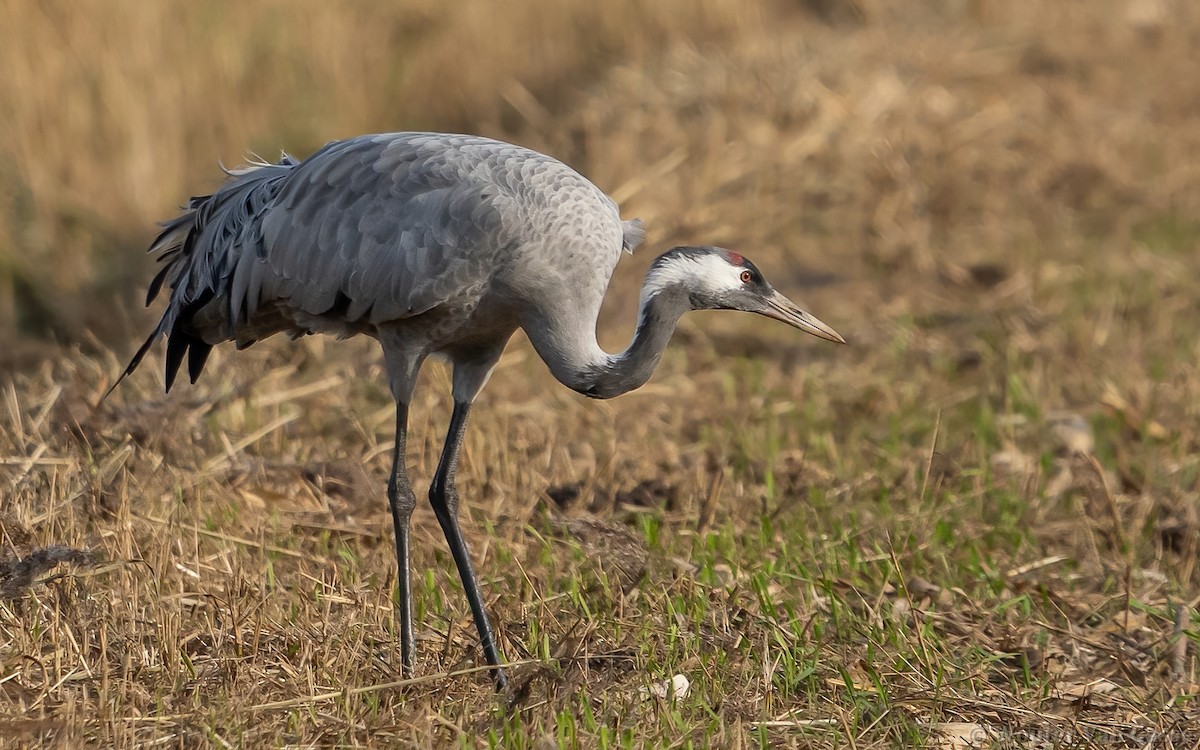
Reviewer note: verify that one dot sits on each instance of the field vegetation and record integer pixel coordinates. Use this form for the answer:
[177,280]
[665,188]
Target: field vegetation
[978,523]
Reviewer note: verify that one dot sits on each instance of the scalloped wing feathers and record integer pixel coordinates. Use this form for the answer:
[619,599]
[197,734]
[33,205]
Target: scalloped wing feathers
[366,230]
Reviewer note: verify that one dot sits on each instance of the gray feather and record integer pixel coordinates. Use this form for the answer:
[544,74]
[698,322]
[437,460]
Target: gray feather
[633,234]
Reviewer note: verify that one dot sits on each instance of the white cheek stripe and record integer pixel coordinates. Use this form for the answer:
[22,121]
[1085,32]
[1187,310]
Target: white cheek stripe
[709,273]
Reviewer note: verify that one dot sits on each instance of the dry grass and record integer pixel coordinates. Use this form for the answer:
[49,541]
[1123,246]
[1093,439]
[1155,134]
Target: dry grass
[977,520]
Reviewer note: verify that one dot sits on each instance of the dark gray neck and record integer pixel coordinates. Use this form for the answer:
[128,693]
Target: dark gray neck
[565,338]
[621,373]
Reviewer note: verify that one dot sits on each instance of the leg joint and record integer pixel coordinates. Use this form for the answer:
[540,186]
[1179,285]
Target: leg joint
[443,495]
[401,496]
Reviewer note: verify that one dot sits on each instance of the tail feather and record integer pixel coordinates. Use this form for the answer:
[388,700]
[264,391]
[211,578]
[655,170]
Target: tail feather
[198,249]
[156,284]
[137,358]
[177,346]
[197,355]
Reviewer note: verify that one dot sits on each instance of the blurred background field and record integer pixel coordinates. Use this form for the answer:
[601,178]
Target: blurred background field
[982,512]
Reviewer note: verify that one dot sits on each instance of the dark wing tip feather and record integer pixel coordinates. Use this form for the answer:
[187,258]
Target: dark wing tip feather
[177,346]
[197,355]
[156,284]
[137,360]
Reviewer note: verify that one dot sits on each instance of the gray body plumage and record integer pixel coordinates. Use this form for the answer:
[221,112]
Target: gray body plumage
[432,242]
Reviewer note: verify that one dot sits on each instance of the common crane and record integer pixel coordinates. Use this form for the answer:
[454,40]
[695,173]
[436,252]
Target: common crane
[433,244]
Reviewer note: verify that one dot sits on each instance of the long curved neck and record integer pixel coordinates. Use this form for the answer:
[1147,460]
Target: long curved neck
[578,362]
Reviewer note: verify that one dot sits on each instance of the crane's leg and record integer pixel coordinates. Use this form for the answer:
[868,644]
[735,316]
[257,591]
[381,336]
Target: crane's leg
[403,365]
[468,380]
[402,500]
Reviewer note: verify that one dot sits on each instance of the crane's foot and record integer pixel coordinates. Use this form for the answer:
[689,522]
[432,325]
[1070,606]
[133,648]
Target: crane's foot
[500,675]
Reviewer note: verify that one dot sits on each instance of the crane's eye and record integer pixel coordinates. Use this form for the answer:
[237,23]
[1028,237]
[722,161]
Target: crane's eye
[747,277]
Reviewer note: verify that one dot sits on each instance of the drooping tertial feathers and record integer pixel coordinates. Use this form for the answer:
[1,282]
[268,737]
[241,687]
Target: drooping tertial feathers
[196,249]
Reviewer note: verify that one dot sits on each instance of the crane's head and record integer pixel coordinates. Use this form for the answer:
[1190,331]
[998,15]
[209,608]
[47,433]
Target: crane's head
[717,279]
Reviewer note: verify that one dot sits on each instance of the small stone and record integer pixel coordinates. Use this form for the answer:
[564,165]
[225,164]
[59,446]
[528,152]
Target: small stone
[674,688]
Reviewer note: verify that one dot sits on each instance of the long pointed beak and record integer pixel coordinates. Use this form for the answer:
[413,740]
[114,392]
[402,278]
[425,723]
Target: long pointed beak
[783,309]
